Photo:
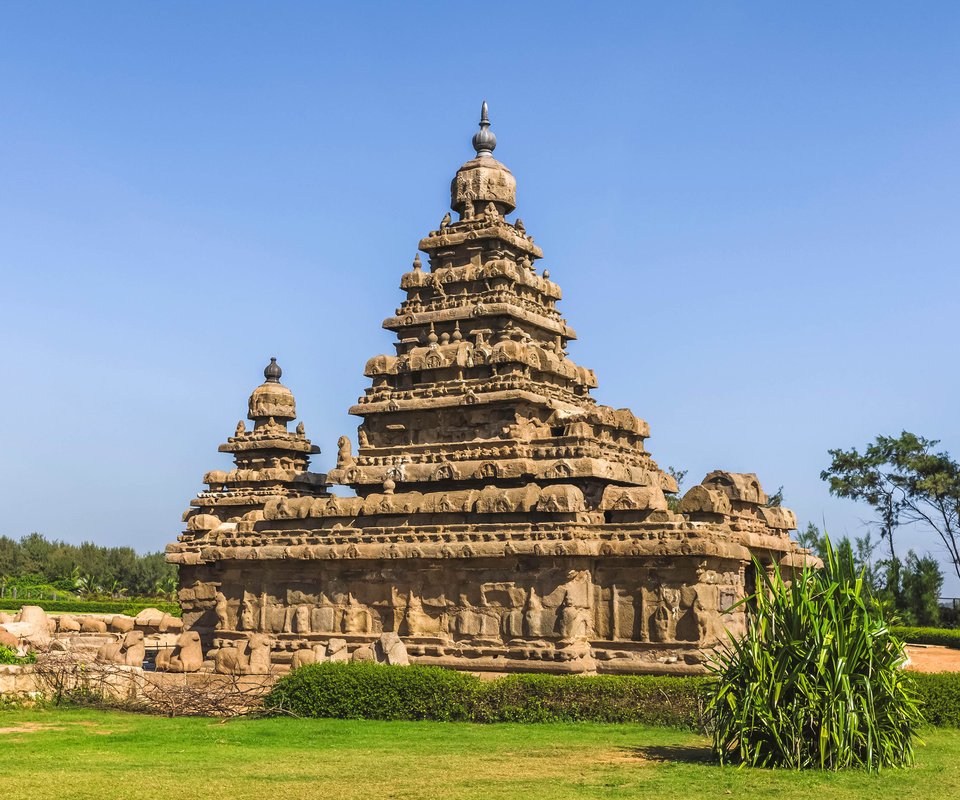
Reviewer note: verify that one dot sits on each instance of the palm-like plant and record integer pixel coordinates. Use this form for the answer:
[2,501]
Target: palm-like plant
[87,585]
[817,681]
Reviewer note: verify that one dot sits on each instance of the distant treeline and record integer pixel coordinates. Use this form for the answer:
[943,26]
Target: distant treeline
[86,569]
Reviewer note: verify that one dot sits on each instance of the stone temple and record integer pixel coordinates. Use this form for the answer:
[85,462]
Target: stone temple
[502,519]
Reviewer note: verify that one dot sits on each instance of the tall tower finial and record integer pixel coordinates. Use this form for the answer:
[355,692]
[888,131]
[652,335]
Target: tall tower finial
[273,372]
[484,140]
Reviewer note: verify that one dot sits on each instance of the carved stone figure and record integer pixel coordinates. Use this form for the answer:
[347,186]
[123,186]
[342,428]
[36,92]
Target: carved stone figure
[248,614]
[302,619]
[344,454]
[221,611]
[129,651]
[186,655]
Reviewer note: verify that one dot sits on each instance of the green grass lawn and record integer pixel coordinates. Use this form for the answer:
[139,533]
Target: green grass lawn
[75,754]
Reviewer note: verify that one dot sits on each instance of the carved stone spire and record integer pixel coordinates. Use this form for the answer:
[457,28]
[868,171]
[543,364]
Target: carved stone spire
[484,140]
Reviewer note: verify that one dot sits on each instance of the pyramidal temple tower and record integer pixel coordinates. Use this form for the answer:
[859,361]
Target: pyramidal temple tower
[502,520]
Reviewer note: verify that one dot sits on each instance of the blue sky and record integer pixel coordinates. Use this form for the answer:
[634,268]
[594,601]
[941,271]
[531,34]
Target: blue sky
[752,209]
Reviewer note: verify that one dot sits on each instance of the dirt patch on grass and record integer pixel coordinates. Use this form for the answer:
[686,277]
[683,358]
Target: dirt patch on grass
[30,727]
[46,727]
[933,658]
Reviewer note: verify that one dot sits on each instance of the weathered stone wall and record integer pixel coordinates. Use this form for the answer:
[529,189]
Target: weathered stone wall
[547,613]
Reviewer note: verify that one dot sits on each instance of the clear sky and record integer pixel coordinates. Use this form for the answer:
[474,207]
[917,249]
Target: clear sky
[752,209]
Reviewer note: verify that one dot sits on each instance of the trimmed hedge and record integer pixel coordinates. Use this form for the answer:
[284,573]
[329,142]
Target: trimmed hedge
[946,637]
[940,694]
[647,699]
[373,691]
[129,606]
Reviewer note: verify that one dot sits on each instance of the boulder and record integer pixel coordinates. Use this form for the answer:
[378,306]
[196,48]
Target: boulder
[92,625]
[32,626]
[364,653]
[34,615]
[68,624]
[170,624]
[149,618]
[7,639]
[122,623]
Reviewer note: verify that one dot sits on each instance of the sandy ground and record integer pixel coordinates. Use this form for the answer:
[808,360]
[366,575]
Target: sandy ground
[930,658]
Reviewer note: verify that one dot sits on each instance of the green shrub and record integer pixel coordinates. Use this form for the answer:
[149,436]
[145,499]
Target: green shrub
[946,637]
[940,697]
[368,691]
[131,606]
[8,656]
[652,700]
[816,681]
[372,691]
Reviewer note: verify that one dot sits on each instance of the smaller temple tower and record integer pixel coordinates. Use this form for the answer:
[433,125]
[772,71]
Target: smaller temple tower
[270,462]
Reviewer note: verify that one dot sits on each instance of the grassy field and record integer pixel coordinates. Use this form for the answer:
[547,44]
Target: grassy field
[77,754]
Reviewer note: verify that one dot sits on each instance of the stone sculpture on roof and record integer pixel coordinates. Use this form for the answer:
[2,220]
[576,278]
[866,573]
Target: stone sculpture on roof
[502,519]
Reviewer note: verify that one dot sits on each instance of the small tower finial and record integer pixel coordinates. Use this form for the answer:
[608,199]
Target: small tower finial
[484,140]
[273,372]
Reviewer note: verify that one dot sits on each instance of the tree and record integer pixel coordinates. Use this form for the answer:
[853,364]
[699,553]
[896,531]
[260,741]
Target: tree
[905,481]
[776,499]
[810,538]
[922,582]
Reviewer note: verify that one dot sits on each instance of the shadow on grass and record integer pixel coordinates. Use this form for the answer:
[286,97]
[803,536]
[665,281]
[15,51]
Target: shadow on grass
[682,753]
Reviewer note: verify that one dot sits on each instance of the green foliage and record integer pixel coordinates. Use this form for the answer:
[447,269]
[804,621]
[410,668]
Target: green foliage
[921,582]
[8,656]
[945,637]
[88,754]
[372,691]
[939,694]
[776,499]
[816,681]
[647,699]
[909,591]
[905,481]
[129,605]
[37,562]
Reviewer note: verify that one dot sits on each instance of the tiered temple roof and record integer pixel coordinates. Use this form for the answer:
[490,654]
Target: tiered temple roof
[270,462]
[481,391]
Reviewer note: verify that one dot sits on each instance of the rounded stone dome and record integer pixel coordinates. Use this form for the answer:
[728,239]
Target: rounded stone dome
[481,180]
[271,398]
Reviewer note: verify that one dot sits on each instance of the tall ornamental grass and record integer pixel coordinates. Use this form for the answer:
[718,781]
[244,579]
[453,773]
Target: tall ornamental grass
[817,680]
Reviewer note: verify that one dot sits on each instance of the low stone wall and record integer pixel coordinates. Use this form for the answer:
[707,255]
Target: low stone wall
[57,676]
